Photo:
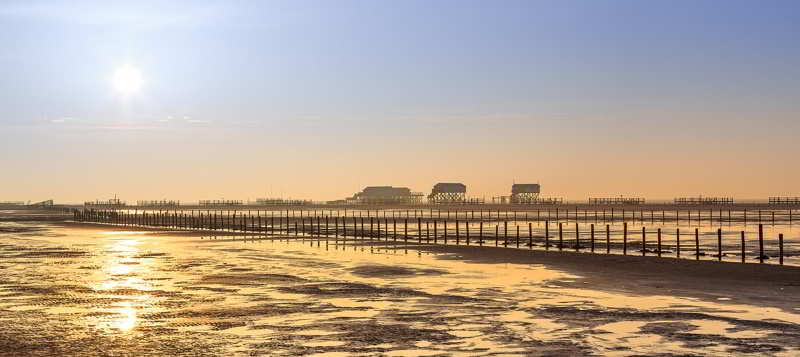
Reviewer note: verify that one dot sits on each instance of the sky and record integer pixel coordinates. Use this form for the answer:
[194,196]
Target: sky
[317,99]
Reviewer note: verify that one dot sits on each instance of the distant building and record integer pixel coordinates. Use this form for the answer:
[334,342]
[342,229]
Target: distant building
[524,193]
[386,195]
[445,192]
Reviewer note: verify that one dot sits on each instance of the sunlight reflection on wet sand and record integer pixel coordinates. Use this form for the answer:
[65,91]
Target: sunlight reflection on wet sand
[321,298]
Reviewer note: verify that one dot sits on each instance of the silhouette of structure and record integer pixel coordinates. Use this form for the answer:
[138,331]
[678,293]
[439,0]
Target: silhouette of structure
[158,203]
[524,193]
[386,195]
[616,201]
[47,203]
[221,202]
[110,203]
[448,193]
[280,201]
[784,200]
[704,200]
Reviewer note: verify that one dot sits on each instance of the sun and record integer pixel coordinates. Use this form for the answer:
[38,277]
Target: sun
[128,80]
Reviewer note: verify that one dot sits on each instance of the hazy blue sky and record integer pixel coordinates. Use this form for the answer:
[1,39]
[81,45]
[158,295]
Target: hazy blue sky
[316,99]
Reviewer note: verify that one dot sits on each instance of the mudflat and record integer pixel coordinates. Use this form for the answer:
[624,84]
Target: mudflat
[100,290]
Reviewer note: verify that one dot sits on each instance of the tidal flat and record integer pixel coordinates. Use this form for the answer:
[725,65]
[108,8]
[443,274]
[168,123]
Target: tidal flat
[93,290]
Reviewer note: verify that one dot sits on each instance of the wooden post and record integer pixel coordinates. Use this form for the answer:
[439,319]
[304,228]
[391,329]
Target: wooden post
[592,235]
[458,237]
[496,232]
[466,229]
[560,236]
[625,238]
[517,233]
[445,227]
[530,235]
[743,251]
[405,228]
[480,233]
[577,237]
[719,244]
[659,242]
[608,239]
[547,234]
[419,228]
[678,239]
[435,231]
[760,243]
[780,247]
[697,244]
[505,231]
[644,242]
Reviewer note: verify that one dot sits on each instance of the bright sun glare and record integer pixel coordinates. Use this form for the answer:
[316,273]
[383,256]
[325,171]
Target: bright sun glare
[128,79]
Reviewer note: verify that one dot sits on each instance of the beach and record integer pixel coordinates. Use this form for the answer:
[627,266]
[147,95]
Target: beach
[83,289]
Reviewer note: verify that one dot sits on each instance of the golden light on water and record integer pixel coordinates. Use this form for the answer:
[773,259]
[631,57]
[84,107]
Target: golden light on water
[122,271]
[127,317]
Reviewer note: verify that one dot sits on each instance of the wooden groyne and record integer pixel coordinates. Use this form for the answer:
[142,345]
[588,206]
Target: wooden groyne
[465,227]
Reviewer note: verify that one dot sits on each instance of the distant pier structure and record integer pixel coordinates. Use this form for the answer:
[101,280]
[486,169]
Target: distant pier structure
[110,203]
[784,200]
[704,200]
[212,203]
[448,193]
[616,200]
[279,201]
[158,203]
[386,195]
[524,193]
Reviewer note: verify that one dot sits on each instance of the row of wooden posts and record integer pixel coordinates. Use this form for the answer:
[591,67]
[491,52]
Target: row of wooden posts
[266,225]
[556,214]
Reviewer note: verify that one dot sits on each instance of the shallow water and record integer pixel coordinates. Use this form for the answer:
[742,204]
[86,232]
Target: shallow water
[85,291]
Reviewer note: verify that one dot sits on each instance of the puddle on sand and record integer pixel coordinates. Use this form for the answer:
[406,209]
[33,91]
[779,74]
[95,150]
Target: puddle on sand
[94,292]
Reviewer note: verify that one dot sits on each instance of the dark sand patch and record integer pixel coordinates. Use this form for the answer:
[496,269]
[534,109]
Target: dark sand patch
[250,279]
[388,271]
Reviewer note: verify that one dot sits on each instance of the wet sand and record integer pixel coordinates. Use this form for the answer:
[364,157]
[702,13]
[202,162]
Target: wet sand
[96,290]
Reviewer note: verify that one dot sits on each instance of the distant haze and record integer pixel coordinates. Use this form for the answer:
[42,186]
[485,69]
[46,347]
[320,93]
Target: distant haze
[317,99]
